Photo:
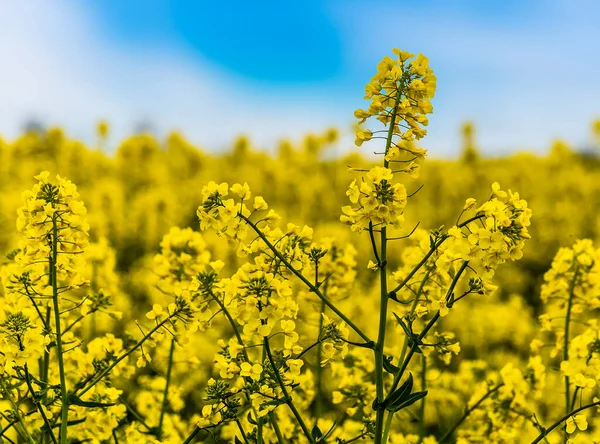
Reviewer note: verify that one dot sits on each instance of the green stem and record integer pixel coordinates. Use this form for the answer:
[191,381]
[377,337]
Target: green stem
[547,431]
[390,415]
[64,417]
[423,333]
[566,345]
[306,282]
[165,400]
[38,404]
[379,347]
[238,336]
[428,327]
[192,435]
[432,250]
[17,412]
[286,395]
[108,369]
[423,388]
[418,266]
[319,370]
[280,439]
[237,421]
[449,433]
[45,368]
[574,400]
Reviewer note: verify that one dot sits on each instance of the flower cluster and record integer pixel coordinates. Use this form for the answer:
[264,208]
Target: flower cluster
[53,214]
[378,202]
[495,233]
[400,96]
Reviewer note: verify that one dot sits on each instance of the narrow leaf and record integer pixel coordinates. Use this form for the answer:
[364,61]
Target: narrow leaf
[44,428]
[251,419]
[76,400]
[389,367]
[394,407]
[402,393]
[407,330]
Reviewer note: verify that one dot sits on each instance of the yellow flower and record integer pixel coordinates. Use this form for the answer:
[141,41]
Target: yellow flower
[242,191]
[372,266]
[260,204]
[156,312]
[576,422]
[251,370]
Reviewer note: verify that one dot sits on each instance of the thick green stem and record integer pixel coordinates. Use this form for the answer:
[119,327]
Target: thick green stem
[390,415]
[379,347]
[165,400]
[286,395]
[64,395]
[382,263]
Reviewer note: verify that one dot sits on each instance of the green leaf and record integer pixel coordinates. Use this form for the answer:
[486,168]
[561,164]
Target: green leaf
[401,393]
[76,400]
[389,367]
[44,428]
[394,407]
[251,419]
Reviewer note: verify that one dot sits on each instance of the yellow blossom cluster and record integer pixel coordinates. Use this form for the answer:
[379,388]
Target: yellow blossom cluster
[379,202]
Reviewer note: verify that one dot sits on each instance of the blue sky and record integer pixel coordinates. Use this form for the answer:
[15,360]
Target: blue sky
[526,72]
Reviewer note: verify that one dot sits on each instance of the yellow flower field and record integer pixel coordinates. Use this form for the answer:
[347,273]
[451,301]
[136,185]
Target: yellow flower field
[162,294]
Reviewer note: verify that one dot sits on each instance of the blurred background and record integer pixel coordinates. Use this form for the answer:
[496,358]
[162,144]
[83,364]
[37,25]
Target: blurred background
[524,72]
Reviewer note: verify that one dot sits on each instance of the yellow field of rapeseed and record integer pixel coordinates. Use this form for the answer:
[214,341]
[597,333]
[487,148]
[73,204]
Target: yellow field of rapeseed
[162,294]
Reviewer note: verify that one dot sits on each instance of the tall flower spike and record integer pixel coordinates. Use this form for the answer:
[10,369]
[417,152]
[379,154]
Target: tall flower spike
[399,95]
[53,209]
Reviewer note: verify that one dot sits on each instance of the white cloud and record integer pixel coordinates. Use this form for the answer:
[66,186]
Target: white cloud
[522,84]
[61,70]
